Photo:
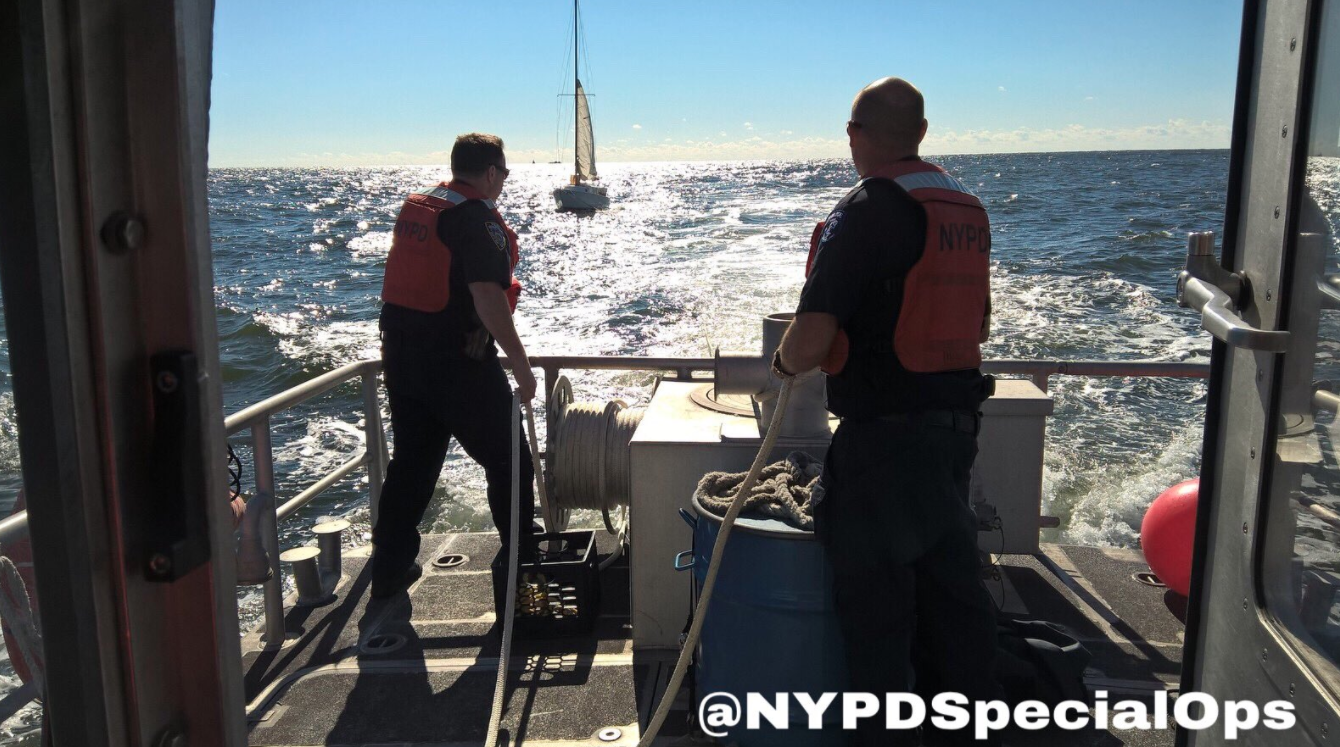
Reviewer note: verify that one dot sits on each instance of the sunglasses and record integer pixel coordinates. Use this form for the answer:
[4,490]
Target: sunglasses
[506,172]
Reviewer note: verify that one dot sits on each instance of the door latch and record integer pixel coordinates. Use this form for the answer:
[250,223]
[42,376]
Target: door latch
[1218,295]
[176,520]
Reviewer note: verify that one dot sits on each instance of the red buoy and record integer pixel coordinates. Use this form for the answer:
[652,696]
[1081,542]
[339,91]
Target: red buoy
[1168,535]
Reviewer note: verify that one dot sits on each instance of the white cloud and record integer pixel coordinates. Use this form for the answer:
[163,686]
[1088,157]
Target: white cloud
[753,147]
[1001,89]
[637,126]
[1173,134]
[749,125]
[1088,98]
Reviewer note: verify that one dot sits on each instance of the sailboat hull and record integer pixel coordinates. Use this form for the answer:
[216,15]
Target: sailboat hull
[580,197]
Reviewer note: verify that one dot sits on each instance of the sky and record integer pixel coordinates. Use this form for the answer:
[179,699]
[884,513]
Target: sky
[344,83]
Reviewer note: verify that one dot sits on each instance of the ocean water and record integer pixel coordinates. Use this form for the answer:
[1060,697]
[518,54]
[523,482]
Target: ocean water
[1086,247]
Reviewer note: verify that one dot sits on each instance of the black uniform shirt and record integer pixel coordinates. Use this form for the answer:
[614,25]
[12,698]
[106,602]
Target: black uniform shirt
[872,239]
[479,253]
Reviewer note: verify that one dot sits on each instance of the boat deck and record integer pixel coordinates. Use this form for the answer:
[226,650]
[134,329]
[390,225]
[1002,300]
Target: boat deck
[419,668]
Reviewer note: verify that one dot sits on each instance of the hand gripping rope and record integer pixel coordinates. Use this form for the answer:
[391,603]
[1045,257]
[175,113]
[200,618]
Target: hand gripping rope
[718,549]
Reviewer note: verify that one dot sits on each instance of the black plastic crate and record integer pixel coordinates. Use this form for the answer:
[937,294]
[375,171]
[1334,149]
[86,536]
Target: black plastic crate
[558,594]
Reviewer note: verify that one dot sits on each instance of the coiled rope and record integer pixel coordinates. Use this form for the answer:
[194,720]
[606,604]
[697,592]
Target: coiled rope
[588,453]
[785,490]
[710,581]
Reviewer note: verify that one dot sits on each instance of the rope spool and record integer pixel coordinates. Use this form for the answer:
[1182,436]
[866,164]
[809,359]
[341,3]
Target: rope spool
[587,444]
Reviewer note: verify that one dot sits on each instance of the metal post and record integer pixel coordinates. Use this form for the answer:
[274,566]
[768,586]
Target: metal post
[1040,380]
[265,483]
[551,374]
[374,443]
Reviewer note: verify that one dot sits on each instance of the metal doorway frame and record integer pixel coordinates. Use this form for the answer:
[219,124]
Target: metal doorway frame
[1235,647]
[105,263]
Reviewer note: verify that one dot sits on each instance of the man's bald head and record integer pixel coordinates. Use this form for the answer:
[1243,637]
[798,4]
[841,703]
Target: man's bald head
[892,113]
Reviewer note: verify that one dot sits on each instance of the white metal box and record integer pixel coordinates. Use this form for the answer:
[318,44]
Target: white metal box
[679,441]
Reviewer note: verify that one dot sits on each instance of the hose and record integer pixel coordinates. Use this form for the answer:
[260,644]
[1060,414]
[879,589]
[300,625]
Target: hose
[505,652]
[727,523]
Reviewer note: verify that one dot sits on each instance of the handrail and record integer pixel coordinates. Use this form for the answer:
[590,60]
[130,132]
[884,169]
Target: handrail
[320,486]
[299,394]
[14,527]
[1038,370]
[1041,371]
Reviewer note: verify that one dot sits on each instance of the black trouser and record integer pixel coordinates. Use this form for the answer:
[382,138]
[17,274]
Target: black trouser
[437,394]
[896,523]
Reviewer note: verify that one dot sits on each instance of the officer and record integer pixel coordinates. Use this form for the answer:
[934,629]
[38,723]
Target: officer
[894,309]
[449,293]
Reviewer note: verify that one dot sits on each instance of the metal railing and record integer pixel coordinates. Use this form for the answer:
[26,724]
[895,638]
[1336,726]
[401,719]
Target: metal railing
[374,455]
[256,418]
[1039,371]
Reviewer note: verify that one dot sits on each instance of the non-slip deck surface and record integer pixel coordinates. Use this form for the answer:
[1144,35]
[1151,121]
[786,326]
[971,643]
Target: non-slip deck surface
[419,668]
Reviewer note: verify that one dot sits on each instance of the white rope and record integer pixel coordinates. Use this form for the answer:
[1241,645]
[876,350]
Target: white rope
[621,532]
[785,490]
[709,583]
[505,652]
[546,510]
[591,467]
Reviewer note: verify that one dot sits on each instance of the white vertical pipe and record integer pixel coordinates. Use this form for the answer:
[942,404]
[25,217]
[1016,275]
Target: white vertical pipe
[375,443]
[263,457]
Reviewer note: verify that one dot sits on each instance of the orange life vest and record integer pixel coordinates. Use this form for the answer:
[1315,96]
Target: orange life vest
[418,269]
[945,293]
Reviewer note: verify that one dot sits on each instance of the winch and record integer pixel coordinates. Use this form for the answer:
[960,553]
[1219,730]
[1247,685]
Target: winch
[605,456]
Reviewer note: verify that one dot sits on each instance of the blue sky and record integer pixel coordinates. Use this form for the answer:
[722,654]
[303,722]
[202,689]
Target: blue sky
[336,82]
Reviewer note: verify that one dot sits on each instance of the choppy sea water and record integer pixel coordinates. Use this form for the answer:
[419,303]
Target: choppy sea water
[1086,247]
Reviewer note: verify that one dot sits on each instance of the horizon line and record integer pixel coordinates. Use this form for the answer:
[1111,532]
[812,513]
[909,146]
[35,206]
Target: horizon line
[520,164]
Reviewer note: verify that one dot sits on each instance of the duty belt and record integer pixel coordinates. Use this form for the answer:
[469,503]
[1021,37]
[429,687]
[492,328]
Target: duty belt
[959,420]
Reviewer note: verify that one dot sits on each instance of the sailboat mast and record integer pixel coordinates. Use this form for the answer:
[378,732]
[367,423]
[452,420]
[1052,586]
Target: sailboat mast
[576,124]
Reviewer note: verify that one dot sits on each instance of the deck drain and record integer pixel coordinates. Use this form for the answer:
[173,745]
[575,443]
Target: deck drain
[1149,579]
[610,734]
[383,643]
[450,560]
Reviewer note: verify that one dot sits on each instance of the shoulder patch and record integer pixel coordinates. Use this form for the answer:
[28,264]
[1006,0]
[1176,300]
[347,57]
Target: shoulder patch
[496,233]
[831,227]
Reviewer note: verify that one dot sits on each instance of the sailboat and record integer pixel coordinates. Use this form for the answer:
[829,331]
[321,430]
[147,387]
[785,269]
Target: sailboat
[577,194]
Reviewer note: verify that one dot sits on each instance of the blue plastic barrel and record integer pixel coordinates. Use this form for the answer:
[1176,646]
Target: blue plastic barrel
[771,628]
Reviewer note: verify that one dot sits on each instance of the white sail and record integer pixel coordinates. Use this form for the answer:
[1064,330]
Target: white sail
[586,141]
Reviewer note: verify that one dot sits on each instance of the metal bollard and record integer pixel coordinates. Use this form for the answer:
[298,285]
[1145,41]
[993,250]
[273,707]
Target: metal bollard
[329,536]
[307,576]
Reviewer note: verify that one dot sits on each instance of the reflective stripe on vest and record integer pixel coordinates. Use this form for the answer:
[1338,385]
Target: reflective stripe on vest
[418,267]
[931,180]
[945,293]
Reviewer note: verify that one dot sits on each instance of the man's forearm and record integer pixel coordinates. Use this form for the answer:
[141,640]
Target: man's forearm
[807,341]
